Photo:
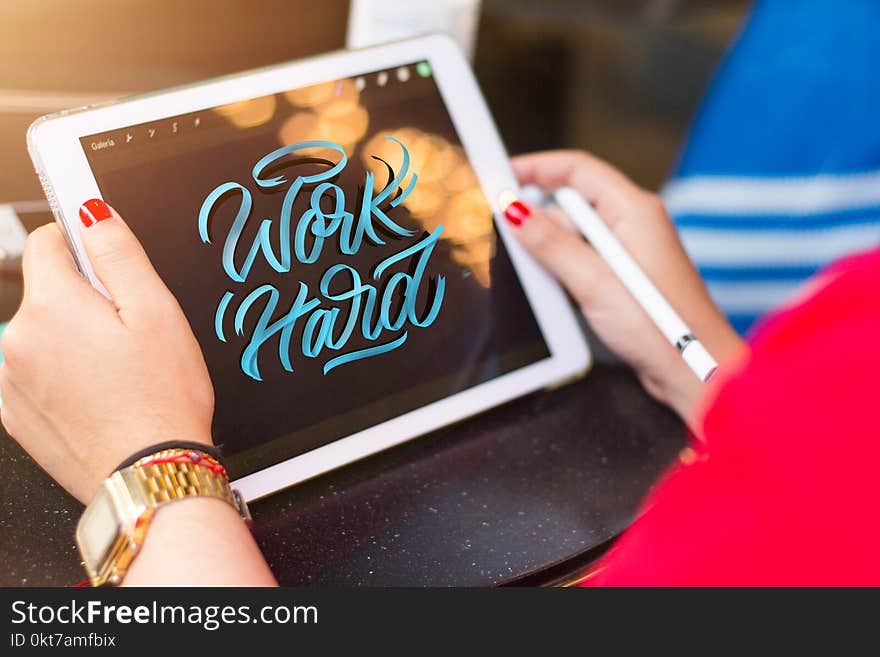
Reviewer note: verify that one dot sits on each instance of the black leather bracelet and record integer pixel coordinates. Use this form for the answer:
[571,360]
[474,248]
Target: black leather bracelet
[211,450]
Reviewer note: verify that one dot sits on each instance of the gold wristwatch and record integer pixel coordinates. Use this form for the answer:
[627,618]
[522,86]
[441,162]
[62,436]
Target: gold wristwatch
[112,529]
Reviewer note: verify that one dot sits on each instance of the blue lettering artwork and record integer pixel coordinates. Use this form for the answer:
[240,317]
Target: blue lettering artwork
[380,307]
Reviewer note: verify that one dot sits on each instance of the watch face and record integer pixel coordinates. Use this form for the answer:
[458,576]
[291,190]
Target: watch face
[98,529]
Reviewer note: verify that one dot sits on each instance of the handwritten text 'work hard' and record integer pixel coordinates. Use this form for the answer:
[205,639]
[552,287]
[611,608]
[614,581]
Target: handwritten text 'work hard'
[398,278]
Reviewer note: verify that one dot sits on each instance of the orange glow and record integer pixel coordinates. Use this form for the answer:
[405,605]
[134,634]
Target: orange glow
[329,110]
[249,113]
[447,193]
[311,96]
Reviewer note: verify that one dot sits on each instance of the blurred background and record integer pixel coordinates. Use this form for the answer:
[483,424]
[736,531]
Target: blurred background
[620,77]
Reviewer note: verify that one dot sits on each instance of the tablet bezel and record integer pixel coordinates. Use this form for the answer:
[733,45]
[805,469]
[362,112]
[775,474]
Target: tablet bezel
[53,142]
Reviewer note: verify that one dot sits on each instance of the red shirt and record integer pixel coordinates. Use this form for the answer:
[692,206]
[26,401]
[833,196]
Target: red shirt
[785,490]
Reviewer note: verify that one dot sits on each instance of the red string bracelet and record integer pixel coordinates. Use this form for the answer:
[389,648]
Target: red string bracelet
[191,457]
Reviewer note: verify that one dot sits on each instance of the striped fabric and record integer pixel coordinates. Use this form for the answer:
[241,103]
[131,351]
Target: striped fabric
[781,173]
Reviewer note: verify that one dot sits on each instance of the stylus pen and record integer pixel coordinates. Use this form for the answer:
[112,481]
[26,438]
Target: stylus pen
[634,279]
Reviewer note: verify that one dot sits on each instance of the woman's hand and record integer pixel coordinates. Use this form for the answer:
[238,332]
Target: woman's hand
[640,222]
[87,382]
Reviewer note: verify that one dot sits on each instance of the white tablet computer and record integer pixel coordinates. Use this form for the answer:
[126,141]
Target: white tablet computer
[327,226]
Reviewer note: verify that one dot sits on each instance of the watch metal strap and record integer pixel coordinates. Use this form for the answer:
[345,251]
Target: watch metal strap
[164,482]
[158,483]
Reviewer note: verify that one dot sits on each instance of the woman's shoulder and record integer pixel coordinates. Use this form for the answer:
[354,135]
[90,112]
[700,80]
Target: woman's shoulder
[818,356]
[836,314]
[783,491]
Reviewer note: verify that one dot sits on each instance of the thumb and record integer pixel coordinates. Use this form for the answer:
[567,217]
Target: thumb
[118,259]
[562,252]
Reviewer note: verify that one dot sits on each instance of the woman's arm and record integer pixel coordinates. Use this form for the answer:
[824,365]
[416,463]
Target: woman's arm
[87,382]
[199,542]
[782,491]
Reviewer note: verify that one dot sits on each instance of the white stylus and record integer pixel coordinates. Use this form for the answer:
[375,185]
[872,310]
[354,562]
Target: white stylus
[634,279]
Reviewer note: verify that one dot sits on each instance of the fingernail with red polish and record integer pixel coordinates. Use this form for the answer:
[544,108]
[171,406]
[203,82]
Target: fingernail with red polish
[517,212]
[93,211]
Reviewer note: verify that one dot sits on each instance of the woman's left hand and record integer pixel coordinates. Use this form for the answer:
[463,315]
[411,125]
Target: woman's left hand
[86,382]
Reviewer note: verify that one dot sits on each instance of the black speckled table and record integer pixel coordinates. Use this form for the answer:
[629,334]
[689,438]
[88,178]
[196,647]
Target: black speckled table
[504,496]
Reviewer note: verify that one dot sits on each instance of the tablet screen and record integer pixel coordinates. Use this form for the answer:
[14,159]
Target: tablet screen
[333,252]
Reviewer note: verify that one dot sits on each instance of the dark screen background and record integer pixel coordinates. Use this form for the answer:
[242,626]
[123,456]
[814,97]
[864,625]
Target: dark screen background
[157,176]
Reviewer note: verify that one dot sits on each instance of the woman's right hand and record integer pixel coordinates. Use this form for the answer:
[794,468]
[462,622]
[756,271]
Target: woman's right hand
[640,222]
